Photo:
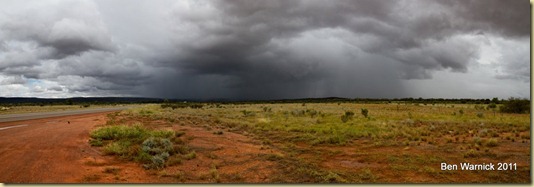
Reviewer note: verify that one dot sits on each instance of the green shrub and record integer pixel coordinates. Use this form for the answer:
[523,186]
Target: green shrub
[143,157]
[117,148]
[190,155]
[266,109]
[492,142]
[156,146]
[344,118]
[180,149]
[312,112]
[196,106]
[159,149]
[118,132]
[516,105]
[172,161]
[492,106]
[471,154]
[347,116]
[273,157]
[96,142]
[365,112]
[152,148]
[157,162]
[477,141]
[144,112]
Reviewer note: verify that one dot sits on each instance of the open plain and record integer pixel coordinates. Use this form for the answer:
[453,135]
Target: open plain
[270,143]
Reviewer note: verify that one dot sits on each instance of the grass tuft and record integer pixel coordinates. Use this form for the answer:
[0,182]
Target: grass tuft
[150,147]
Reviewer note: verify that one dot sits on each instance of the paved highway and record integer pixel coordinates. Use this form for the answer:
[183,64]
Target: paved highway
[28,116]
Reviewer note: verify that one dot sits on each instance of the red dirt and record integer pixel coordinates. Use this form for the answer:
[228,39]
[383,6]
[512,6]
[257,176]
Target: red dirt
[235,157]
[53,151]
[360,155]
[46,150]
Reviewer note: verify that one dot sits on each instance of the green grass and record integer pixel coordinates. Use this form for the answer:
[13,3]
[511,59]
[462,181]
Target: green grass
[120,132]
[150,147]
[190,155]
[492,142]
[215,174]
[458,132]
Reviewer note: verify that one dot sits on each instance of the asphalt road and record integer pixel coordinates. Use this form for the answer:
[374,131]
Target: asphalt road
[39,115]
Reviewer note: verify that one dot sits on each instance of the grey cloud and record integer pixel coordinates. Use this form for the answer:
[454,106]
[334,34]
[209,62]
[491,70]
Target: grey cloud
[238,39]
[72,37]
[50,40]
[254,49]
[515,61]
[68,29]
[55,88]
[85,85]
[22,54]
[108,67]
[13,80]
[453,53]
[226,37]
[511,18]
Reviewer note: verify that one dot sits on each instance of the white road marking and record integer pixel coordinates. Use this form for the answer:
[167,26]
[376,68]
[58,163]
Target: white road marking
[4,128]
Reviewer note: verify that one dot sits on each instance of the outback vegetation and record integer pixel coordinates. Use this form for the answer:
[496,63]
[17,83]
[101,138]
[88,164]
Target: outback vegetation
[325,142]
[24,105]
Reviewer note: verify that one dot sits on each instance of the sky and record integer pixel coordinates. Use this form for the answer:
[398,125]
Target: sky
[269,49]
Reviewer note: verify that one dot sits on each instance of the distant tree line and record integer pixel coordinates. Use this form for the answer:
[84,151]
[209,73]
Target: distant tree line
[378,100]
[516,105]
[512,105]
[82,101]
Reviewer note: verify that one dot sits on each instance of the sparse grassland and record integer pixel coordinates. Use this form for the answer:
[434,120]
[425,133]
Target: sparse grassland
[152,148]
[349,142]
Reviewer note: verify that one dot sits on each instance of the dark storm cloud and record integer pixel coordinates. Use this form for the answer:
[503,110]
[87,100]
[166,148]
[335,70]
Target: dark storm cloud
[256,42]
[265,49]
[511,18]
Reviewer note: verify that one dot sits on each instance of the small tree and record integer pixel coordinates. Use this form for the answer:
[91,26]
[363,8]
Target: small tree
[495,100]
[365,112]
[347,116]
